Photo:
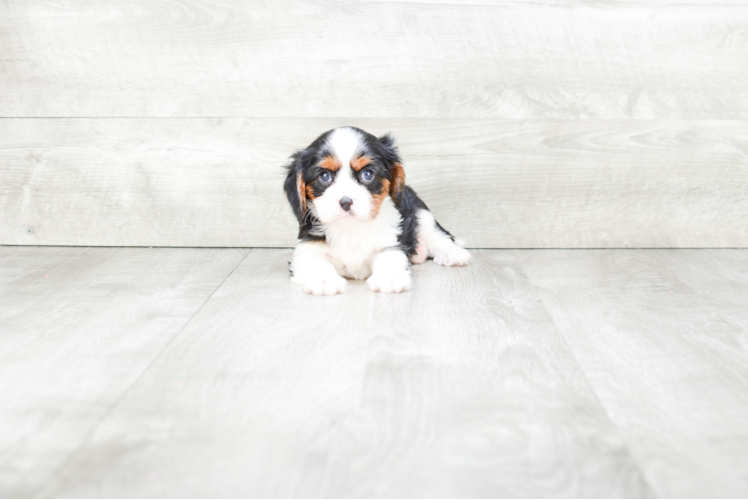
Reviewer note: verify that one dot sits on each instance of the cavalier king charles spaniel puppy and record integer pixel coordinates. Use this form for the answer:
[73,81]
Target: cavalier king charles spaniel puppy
[357,218]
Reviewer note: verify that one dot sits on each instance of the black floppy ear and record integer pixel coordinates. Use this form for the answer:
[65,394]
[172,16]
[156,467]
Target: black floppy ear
[295,187]
[395,166]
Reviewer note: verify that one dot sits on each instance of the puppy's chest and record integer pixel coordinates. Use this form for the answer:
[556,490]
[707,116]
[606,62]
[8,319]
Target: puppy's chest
[352,249]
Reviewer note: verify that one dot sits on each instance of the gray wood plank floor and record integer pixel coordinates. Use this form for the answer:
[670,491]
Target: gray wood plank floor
[205,372]
[78,327]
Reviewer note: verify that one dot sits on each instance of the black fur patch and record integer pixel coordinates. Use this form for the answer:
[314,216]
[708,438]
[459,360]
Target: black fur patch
[408,206]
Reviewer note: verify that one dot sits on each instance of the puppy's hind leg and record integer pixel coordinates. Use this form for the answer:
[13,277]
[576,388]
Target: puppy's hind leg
[422,253]
[438,243]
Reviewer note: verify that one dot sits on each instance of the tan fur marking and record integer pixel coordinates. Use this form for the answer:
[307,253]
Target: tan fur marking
[310,192]
[398,181]
[302,188]
[377,199]
[330,163]
[360,163]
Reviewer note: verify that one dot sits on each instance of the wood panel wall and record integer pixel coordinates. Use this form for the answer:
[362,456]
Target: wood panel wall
[523,123]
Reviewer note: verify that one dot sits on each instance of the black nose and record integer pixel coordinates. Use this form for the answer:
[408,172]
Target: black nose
[346,203]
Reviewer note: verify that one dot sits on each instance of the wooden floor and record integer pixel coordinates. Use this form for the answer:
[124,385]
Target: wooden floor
[130,372]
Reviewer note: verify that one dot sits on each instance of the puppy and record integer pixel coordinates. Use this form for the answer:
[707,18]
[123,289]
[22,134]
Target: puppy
[357,218]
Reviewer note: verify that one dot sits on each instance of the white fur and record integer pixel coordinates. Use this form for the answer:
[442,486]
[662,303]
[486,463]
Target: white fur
[345,144]
[390,273]
[434,243]
[314,272]
[350,250]
[353,244]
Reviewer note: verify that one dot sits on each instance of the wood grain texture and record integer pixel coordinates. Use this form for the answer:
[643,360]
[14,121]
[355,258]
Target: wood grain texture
[667,361]
[78,326]
[494,183]
[504,59]
[721,277]
[461,388]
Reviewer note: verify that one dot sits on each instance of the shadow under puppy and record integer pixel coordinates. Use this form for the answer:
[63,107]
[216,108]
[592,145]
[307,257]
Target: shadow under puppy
[357,218]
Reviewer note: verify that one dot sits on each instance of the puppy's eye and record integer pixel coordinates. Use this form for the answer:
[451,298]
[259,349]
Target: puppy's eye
[367,175]
[325,177]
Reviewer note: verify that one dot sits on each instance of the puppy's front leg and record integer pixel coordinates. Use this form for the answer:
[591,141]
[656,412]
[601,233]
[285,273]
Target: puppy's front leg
[314,272]
[389,272]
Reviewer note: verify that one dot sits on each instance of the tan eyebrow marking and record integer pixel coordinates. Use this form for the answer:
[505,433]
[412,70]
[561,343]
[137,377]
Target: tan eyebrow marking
[360,163]
[330,163]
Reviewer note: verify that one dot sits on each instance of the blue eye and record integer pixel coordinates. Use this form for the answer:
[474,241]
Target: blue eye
[325,177]
[367,175]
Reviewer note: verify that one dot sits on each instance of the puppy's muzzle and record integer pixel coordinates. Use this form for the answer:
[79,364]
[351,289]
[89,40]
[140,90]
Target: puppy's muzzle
[346,203]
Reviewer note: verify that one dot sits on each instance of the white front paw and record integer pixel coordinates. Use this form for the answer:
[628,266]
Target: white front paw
[321,283]
[390,281]
[452,255]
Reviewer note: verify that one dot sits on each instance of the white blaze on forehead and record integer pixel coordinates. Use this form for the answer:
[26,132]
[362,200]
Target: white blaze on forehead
[345,144]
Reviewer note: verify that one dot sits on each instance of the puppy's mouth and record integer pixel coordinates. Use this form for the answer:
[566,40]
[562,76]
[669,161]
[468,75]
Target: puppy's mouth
[348,215]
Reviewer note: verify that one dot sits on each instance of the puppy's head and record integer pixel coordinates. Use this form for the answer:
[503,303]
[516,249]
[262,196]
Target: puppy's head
[344,176]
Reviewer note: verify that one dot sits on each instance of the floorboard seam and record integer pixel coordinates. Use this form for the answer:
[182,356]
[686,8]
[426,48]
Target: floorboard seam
[135,382]
[621,433]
